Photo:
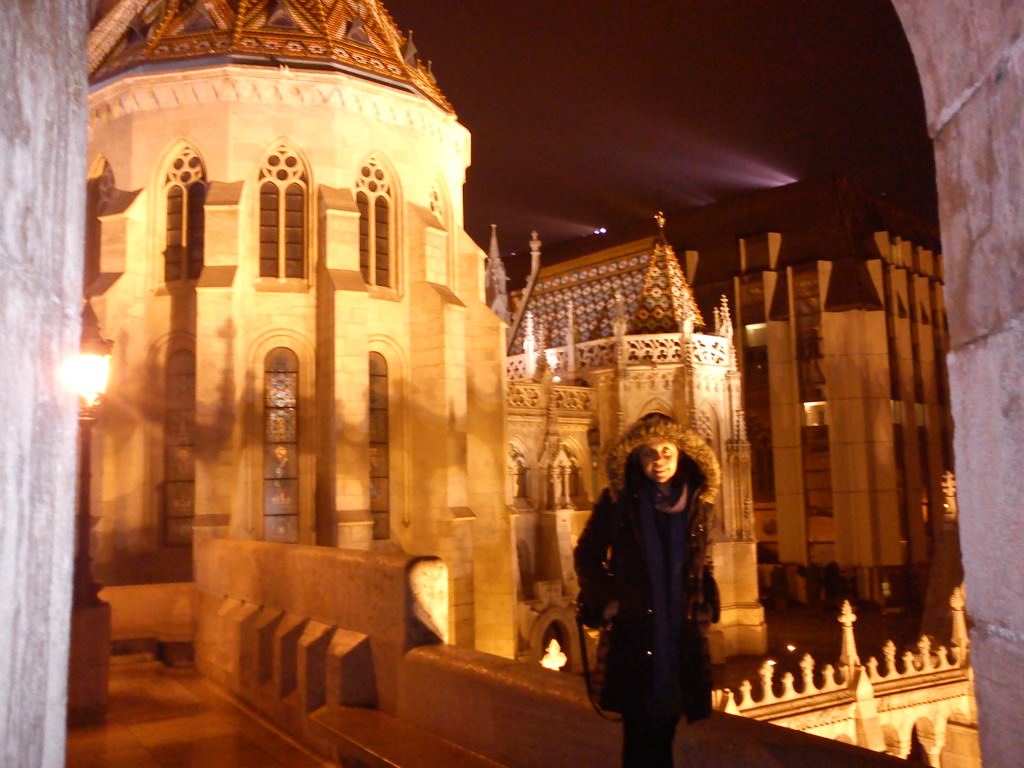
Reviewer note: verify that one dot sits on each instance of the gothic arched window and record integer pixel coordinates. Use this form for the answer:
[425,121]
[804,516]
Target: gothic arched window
[185,187]
[374,198]
[281,446]
[284,187]
[380,497]
[179,448]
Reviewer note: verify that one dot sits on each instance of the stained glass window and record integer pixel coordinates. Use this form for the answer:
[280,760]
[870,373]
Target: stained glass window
[280,446]
[179,448]
[380,496]
[185,186]
[373,198]
[284,185]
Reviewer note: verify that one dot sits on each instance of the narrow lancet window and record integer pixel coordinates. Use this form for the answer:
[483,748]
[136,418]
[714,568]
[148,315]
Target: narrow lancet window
[284,188]
[185,189]
[374,200]
[380,505]
[281,446]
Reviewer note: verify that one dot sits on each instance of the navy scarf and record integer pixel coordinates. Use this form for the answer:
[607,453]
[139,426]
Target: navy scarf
[666,580]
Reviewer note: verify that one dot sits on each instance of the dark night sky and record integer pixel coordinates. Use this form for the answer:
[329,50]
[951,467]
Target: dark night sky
[589,113]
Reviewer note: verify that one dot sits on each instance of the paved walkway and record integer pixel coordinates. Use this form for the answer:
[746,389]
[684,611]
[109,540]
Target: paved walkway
[160,717]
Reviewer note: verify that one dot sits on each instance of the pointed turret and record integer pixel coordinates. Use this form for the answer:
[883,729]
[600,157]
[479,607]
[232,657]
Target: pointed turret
[667,301]
[496,279]
[359,38]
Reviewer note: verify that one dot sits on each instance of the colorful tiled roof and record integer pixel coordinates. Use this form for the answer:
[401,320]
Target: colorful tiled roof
[357,36]
[590,283]
[666,300]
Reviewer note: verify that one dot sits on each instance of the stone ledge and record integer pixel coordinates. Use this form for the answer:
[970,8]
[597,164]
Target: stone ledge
[523,716]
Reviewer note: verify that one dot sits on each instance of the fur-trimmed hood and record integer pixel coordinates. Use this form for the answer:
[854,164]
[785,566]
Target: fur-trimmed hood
[690,444]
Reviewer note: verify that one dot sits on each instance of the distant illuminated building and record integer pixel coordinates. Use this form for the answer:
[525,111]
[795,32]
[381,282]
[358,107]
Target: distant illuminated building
[841,338]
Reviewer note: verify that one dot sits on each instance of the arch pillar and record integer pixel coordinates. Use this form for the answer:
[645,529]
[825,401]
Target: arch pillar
[970,57]
[41,242]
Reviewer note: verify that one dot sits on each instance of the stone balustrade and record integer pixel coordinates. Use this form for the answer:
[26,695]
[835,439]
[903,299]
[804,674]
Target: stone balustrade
[864,703]
[707,349]
[289,628]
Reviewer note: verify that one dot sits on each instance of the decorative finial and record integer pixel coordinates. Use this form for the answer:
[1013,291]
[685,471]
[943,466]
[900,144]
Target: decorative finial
[846,615]
[659,218]
[956,600]
[724,318]
[530,345]
[570,337]
[848,656]
[410,52]
[534,254]
[619,312]
[949,494]
[960,639]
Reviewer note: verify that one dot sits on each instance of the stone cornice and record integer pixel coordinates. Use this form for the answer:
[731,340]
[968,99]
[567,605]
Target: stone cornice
[227,84]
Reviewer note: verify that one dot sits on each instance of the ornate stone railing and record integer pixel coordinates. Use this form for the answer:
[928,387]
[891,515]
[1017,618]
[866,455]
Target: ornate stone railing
[599,353]
[523,395]
[915,665]
[515,367]
[572,398]
[527,395]
[710,350]
[933,684]
[641,348]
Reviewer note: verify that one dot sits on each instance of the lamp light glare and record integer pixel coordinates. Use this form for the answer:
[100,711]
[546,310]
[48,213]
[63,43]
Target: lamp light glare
[554,657]
[86,375]
[790,647]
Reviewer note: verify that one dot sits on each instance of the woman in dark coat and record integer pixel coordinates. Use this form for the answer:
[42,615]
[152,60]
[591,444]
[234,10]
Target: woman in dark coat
[643,564]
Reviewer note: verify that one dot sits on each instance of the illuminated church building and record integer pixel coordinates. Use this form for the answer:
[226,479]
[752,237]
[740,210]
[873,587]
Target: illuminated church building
[303,354]
[303,347]
[836,298]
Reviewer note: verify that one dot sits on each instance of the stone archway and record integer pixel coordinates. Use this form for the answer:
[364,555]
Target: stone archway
[970,58]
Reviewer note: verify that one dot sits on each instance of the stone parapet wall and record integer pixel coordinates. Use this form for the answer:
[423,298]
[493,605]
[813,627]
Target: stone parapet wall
[523,716]
[163,612]
[289,628]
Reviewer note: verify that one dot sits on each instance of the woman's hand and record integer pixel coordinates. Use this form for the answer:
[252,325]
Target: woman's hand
[611,610]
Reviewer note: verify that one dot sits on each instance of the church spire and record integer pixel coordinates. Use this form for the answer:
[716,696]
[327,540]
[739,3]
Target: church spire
[496,279]
[667,301]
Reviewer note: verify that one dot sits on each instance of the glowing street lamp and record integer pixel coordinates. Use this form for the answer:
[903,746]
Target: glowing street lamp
[87,373]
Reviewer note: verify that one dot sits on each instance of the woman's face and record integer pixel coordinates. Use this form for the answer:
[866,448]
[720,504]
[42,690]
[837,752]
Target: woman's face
[659,460]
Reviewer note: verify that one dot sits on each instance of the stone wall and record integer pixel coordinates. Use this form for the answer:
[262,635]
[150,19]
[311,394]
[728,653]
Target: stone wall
[289,628]
[523,716]
[970,56]
[161,612]
[42,157]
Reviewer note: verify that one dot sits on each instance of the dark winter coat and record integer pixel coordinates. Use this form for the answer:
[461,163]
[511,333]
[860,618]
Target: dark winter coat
[612,564]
